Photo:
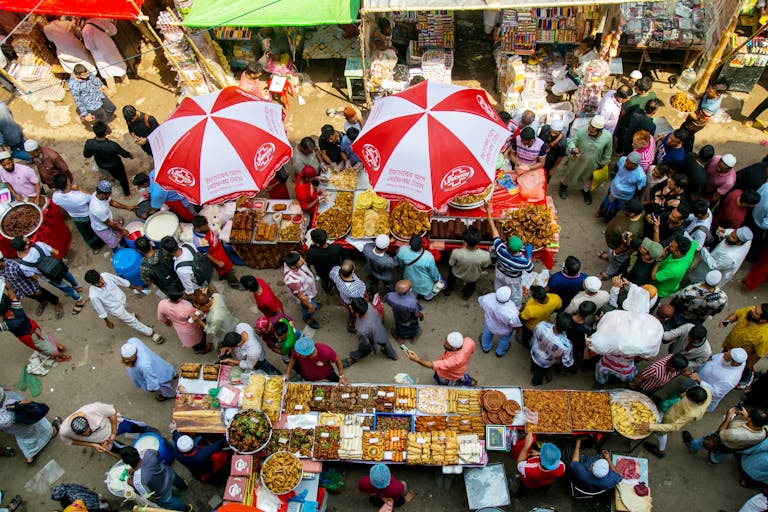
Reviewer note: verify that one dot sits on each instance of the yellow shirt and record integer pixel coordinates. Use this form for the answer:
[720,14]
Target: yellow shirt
[681,414]
[750,336]
[534,312]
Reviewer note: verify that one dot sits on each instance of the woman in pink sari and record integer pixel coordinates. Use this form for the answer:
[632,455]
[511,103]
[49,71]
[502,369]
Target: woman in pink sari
[643,143]
[186,320]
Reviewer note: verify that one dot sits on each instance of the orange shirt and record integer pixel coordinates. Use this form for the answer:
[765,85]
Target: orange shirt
[452,365]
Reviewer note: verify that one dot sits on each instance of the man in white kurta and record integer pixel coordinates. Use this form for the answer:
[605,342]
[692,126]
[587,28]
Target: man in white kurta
[721,374]
[97,37]
[727,257]
[108,299]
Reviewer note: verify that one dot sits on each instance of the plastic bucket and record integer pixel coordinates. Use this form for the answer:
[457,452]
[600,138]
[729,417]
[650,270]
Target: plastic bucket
[126,263]
[152,441]
[135,230]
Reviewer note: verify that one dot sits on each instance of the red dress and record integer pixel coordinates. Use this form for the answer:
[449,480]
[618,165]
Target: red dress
[305,194]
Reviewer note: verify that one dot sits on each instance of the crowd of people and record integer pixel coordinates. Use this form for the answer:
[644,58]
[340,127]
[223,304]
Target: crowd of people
[679,224]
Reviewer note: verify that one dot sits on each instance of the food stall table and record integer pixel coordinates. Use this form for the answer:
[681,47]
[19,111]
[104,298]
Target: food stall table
[633,470]
[487,487]
[53,230]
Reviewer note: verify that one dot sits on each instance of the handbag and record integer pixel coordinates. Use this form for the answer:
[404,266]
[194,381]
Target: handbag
[28,413]
[599,176]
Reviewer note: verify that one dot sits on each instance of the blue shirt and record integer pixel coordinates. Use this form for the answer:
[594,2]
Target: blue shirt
[158,196]
[511,265]
[422,274]
[151,371]
[760,211]
[86,93]
[710,106]
[673,157]
[346,147]
[586,481]
[626,182]
[566,286]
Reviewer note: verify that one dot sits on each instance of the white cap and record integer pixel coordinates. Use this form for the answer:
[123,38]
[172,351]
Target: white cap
[600,468]
[128,350]
[455,339]
[598,122]
[185,444]
[739,355]
[557,125]
[636,74]
[5,155]
[30,145]
[592,284]
[503,294]
[382,241]
[713,277]
[729,160]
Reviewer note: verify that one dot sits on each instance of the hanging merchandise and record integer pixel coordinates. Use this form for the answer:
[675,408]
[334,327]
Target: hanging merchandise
[176,45]
[678,24]
[436,30]
[33,68]
[590,90]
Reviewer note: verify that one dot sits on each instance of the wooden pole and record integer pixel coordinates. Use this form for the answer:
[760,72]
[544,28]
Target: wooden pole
[21,87]
[716,57]
[171,58]
[197,51]
[363,40]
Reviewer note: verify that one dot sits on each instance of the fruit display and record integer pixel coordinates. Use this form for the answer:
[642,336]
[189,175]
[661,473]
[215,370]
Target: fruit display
[405,220]
[211,372]
[344,179]
[254,392]
[405,399]
[433,400]
[590,411]
[301,442]
[191,370]
[335,419]
[385,399]
[532,223]
[249,431]
[443,448]
[351,442]
[298,396]
[418,448]
[467,425]
[627,415]
[321,397]
[273,397]
[431,423]
[279,442]
[552,408]
[327,441]
[373,446]
[464,401]
[683,103]
[281,472]
[394,422]
[472,200]
[395,445]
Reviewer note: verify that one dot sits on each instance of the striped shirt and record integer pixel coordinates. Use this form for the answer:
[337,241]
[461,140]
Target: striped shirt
[658,374]
[348,290]
[509,264]
[618,365]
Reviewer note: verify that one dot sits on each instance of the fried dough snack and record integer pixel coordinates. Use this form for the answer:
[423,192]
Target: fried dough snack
[281,472]
[405,399]
[682,102]
[406,220]
[373,446]
[298,396]
[532,223]
[464,401]
[552,408]
[590,411]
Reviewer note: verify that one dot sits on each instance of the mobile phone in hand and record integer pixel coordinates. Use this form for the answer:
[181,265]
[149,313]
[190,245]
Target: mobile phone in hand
[403,347]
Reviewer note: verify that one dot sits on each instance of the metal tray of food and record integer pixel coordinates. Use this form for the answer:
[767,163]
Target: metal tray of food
[297,220]
[592,414]
[551,416]
[270,222]
[290,206]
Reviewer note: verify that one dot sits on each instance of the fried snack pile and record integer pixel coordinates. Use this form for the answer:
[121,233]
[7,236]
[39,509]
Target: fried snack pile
[289,230]
[301,442]
[532,223]
[431,423]
[625,420]
[373,446]
[369,223]
[331,419]
[281,472]
[467,425]
[351,441]
[279,442]
[254,392]
[273,397]
[405,399]
[418,448]
[336,220]
[210,372]
[682,102]
[396,422]
[464,401]
[344,179]
[552,408]
[243,224]
[395,443]
[444,448]
[321,398]
[327,440]
[406,221]
[190,370]
[385,399]
[298,396]
[466,199]
[433,400]
[590,411]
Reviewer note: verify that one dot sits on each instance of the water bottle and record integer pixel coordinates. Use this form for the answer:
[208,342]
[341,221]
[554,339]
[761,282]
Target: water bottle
[687,77]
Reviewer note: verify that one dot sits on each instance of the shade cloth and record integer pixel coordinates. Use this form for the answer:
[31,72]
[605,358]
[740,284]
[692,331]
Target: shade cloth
[271,13]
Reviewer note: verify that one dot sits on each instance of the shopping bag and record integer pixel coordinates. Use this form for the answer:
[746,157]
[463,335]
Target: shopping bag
[29,381]
[599,176]
[377,304]
[533,185]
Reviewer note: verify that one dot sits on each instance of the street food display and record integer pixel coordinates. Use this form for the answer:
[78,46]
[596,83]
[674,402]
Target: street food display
[406,221]
[590,411]
[327,442]
[263,231]
[281,472]
[468,201]
[22,219]
[629,409]
[534,224]
[301,442]
[336,220]
[191,370]
[552,411]
[682,102]
[249,431]
[370,217]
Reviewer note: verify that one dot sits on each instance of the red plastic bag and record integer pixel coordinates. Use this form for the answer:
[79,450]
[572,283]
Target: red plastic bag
[378,305]
[533,185]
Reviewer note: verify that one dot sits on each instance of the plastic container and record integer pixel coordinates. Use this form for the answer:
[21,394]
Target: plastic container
[126,263]
[150,440]
[135,230]
[687,77]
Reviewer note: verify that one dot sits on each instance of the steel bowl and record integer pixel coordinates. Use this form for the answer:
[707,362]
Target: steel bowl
[14,206]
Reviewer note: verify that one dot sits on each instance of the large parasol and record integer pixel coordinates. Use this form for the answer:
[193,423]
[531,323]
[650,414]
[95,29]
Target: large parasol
[219,146]
[431,142]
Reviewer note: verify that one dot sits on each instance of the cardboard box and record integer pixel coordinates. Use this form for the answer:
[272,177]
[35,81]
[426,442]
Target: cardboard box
[242,465]
[235,489]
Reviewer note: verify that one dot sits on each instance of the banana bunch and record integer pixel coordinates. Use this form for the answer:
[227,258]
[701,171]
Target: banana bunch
[625,419]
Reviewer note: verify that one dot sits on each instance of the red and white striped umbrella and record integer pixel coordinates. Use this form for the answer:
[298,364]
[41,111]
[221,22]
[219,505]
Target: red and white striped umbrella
[219,146]
[431,142]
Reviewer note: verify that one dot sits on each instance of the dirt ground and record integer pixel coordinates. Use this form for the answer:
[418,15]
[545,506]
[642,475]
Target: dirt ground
[95,373]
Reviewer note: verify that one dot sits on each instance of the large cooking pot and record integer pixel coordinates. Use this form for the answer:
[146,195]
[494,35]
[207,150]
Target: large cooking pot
[15,205]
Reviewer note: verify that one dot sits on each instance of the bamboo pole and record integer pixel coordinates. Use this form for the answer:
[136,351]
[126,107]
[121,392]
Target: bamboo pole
[363,40]
[197,51]
[21,87]
[716,57]
[171,58]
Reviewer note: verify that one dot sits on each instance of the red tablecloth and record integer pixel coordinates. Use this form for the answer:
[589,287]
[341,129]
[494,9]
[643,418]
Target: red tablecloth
[53,231]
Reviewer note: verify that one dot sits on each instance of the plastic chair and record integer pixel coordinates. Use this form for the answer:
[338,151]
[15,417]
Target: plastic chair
[580,494]
[281,86]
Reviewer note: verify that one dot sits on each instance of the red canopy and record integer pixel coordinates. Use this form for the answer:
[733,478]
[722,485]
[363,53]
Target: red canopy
[120,9]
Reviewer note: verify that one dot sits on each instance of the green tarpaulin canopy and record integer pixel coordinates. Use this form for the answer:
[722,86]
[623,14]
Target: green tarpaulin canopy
[271,13]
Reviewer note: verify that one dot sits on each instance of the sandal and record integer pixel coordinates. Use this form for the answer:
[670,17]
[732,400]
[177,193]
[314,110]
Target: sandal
[346,363]
[473,383]
[161,398]
[16,502]
[40,308]
[61,348]
[207,349]
[79,289]
[78,307]
[603,255]
[603,276]
[62,358]
[59,311]
[56,423]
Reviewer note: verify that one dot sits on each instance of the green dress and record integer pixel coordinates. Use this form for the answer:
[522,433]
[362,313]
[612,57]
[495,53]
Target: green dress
[593,154]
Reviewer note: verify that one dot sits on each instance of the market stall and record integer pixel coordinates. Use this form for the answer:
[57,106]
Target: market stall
[427,425]
[45,224]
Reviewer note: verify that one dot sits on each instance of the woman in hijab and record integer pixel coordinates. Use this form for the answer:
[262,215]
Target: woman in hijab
[73,497]
[14,319]
[30,438]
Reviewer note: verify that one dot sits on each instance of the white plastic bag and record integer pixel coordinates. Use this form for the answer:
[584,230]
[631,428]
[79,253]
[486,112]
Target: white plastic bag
[628,334]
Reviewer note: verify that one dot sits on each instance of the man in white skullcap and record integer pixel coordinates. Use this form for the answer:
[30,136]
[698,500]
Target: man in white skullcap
[595,473]
[48,162]
[379,266]
[721,374]
[589,149]
[591,292]
[208,463]
[501,319]
[147,370]
[727,256]
[721,177]
[451,367]
[610,106]
[699,301]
